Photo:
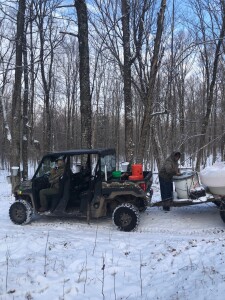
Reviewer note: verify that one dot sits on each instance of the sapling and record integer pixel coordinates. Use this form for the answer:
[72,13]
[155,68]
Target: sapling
[85,281]
[28,296]
[96,234]
[46,246]
[80,273]
[7,269]
[103,275]
[141,265]
[114,283]
[110,235]
[64,281]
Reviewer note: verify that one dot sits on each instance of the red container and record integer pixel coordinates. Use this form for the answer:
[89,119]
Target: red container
[137,170]
[140,177]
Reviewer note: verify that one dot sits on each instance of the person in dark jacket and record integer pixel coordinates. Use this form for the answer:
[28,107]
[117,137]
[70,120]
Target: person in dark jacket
[54,177]
[166,173]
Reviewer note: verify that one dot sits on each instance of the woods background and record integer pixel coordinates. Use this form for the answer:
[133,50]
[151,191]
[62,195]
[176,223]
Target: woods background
[143,76]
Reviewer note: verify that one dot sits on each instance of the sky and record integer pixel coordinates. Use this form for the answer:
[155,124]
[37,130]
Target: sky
[177,255]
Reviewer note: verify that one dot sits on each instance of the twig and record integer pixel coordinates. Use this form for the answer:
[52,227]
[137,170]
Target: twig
[80,273]
[103,276]
[96,234]
[46,245]
[140,272]
[212,141]
[85,281]
[114,284]
[7,269]
[63,6]
[164,112]
[110,235]
[64,281]
[63,289]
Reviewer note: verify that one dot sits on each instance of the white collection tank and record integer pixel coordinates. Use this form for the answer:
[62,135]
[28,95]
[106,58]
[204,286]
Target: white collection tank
[185,183]
[214,178]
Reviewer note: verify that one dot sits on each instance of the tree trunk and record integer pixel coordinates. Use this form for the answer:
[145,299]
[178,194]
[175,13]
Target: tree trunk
[6,133]
[145,128]
[32,76]
[85,96]
[129,144]
[25,114]
[16,99]
[46,69]
[46,86]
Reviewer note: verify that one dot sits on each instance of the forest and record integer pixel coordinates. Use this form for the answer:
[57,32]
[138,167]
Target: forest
[145,77]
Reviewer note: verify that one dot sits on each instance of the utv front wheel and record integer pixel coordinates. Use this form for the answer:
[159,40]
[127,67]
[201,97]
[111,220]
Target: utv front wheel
[126,217]
[20,212]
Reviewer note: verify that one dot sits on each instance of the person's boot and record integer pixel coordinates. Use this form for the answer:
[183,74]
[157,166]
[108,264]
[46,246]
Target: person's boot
[167,203]
[166,208]
[42,209]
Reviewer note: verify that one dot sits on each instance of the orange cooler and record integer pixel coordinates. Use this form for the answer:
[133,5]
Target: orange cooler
[137,172]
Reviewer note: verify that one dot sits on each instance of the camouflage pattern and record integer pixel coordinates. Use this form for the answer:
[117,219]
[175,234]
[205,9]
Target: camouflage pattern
[54,177]
[169,167]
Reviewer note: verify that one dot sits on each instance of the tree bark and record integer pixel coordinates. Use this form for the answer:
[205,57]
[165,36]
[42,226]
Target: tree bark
[129,144]
[85,96]
[145,128]
[25,113]
[47,82]
[32,74]
[16,99]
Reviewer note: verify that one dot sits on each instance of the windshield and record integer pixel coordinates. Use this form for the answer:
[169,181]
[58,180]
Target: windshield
[45,167]
[108,163]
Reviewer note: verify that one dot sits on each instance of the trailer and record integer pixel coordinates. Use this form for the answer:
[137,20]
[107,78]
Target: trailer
[192,188]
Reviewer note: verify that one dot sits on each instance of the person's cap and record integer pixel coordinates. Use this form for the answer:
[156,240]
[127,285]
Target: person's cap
[59,158]
[177,153]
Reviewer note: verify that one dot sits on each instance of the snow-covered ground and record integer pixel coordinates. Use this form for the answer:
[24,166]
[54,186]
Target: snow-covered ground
[177,255]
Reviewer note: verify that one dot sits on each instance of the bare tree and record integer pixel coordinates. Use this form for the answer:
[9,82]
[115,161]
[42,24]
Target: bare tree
[7,51]
[210,78]
[16,99]
[49,40]
[130,14]
[85,95]
[69,65]
[129,144]
[33,74]
[25,111]
[148,109]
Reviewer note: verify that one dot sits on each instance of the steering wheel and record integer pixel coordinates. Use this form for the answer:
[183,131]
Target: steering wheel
[42,182]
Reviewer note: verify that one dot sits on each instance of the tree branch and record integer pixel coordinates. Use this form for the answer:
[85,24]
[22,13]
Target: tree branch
[165,112]
[69,33]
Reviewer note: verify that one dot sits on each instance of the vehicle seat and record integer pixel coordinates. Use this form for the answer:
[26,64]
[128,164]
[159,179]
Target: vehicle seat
[64,190]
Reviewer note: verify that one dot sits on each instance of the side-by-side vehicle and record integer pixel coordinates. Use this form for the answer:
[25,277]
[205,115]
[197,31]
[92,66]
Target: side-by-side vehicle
[90,187]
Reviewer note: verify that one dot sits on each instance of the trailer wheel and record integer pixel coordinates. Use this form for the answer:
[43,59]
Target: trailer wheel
[126,217]
[222,211]
[20,212]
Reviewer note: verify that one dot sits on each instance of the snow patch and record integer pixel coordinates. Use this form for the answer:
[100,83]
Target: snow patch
[174,255]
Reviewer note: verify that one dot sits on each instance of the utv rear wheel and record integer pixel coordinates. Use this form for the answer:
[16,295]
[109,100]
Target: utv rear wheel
[126,217]
[20,212]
